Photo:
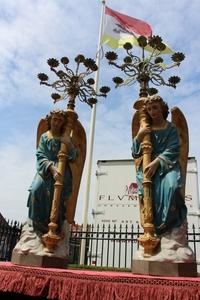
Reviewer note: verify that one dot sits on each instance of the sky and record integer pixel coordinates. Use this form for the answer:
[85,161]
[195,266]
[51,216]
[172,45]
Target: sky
[32,31]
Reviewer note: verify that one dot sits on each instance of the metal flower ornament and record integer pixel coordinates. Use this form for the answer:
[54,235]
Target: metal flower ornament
[70,85]
[148,68]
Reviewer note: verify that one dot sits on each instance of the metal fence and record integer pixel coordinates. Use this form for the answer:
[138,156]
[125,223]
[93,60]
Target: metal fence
[106,246]
[9,235]
[110,246]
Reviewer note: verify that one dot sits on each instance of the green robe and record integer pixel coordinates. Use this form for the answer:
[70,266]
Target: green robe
[41,190]
[169,209]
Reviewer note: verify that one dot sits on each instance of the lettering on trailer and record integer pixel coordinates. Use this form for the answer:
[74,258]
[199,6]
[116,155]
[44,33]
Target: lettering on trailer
[188,197]
[123,222]
[130,193]
[189,202]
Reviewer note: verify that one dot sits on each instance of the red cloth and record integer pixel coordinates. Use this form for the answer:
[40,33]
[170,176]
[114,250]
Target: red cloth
[92,285]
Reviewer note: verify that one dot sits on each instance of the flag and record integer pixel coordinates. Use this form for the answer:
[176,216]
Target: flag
[119,29]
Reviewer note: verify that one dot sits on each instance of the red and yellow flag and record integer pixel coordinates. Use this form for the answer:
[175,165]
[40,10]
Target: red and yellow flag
[119,29]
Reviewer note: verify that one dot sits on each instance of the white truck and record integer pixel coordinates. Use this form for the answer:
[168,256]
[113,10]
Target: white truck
[116,199]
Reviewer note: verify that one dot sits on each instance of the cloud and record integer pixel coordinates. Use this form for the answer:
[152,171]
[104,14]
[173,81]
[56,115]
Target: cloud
[17,166]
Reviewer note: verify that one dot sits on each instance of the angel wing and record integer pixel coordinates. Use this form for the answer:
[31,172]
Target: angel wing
[135,128]
[79,141]
[179,120]
[135,124]
[42,127]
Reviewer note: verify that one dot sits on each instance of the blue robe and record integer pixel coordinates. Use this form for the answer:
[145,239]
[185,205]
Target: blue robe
[169,209]
[42,188]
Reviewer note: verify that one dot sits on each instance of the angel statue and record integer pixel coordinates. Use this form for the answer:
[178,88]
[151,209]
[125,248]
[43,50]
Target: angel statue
[50,135]
[166,173]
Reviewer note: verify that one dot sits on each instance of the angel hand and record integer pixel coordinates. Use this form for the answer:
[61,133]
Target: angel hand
[142,132]
[65,140]
[151,168]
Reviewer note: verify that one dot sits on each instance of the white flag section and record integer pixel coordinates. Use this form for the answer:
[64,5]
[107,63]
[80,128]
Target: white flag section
[119,29]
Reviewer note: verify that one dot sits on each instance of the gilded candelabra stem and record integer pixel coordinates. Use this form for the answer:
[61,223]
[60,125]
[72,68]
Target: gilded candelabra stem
[148,240]
[51,238]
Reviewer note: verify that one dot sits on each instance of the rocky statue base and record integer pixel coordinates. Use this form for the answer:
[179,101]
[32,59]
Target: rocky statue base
[30,250]
[173,258]
[34,260]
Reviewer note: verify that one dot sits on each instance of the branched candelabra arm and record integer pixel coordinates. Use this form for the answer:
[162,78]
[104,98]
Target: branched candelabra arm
[154,68]
[77,67]
[167,67]
[66,75]
[63,75]
[116,65]
[131,72]
[82,96]
[157,80]
[131,59]
[42,82]
[153,55]
[129,81]
[146,69]
[154,72]
[86,92]
[88,85]
[59,85]
[74,84]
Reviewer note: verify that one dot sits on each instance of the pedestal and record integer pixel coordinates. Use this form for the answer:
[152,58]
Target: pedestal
[157,268]
[39,260]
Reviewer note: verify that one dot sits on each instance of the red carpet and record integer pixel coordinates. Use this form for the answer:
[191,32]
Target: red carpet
[91,285]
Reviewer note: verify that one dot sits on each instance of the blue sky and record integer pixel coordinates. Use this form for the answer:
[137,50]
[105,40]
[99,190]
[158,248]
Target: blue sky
[32,31]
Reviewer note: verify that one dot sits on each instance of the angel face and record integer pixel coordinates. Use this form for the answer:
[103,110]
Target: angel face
[57,122]
[154,109]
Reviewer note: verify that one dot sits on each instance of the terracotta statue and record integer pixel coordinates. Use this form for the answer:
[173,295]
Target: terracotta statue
[50,136]
[166,173]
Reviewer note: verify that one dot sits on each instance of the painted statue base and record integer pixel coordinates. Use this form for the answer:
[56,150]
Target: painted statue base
[174,257]
[44,261]
[168,269]
[31,251]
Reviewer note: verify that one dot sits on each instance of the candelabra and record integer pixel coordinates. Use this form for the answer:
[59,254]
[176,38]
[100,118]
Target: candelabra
[70,85]
[146,70]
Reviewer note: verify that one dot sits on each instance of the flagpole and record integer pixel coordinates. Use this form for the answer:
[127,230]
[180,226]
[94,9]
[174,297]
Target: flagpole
[91,144]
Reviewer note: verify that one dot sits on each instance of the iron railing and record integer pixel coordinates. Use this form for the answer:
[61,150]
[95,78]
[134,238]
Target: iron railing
[114,246]
[9,235]
[106,246]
